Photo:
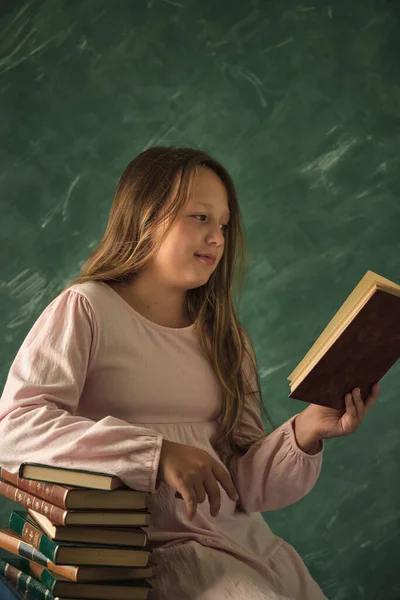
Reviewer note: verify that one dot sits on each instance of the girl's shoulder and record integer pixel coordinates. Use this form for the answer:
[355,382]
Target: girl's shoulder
[95,296]
[93,291]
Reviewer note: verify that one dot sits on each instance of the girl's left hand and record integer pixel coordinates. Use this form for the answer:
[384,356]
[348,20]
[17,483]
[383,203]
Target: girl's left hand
[329,422]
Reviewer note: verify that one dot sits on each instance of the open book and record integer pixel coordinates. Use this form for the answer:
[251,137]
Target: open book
[358,346]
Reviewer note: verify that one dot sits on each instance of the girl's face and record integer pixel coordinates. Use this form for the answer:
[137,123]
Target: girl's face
[199,229]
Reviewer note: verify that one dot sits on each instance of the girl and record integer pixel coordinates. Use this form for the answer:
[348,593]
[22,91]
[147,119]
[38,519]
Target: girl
[141,368]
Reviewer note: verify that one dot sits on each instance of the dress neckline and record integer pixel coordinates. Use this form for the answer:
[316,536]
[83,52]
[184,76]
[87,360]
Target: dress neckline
[175,330]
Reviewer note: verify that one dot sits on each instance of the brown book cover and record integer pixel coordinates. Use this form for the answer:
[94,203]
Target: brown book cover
[68,497]
[360,344]
[54,513]
[74,517]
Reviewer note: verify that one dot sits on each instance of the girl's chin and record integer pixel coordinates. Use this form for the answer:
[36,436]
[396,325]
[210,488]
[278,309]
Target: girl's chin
[196,282]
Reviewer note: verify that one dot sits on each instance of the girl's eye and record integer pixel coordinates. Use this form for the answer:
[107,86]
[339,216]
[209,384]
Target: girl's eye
[224,227]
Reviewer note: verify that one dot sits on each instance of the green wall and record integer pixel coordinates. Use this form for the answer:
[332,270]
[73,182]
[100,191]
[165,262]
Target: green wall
[301,102]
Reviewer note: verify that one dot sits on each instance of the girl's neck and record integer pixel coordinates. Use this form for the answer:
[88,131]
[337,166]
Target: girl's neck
[155,305]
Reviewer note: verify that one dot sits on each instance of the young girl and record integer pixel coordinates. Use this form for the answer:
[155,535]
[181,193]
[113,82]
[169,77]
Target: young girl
[141,368]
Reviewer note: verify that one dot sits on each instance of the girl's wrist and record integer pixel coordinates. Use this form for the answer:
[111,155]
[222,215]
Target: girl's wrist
[308,440]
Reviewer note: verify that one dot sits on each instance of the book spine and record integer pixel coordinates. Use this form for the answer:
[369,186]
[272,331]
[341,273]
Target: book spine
[27,551]
[33,536]
[24,582]
[43,575]
[54,513]
[8,591]
[17,546]
[53,493]
[40,573]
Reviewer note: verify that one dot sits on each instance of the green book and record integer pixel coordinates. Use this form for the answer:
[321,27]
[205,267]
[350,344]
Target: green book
[8,591]
[73,553]
[58,587]
[11,570]
[43,544]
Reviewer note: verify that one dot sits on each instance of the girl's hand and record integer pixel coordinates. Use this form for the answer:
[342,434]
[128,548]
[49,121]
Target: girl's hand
[194,473]
[316,422]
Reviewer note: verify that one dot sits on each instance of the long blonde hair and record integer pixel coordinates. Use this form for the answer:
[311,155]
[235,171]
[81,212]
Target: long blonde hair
[128,246]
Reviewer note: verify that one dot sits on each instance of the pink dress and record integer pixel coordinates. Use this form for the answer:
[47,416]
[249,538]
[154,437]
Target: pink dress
[97,386]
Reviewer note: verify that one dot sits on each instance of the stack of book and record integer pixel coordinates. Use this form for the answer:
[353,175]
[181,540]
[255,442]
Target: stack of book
[80,535]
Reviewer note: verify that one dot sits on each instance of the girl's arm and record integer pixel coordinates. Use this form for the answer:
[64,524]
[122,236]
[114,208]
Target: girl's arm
[41,395]
[276,471]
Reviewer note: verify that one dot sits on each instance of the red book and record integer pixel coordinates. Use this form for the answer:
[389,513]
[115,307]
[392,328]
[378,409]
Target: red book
[69,497]
[74,517]
[357,347]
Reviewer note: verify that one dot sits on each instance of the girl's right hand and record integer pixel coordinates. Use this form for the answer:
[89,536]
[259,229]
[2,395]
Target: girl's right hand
[193,473]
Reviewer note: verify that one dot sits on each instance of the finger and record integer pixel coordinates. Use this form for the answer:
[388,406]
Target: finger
[189,497]
[350,408]
[349,420]
[358,403]
[372,398]
[199,491]
[213,493]
[225,480]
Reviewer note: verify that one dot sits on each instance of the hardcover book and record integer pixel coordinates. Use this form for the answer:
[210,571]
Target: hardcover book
[357,347]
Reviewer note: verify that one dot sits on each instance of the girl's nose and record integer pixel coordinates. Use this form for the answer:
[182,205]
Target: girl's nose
[215,235]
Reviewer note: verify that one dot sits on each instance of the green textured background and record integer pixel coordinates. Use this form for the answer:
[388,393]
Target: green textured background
[301,102]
